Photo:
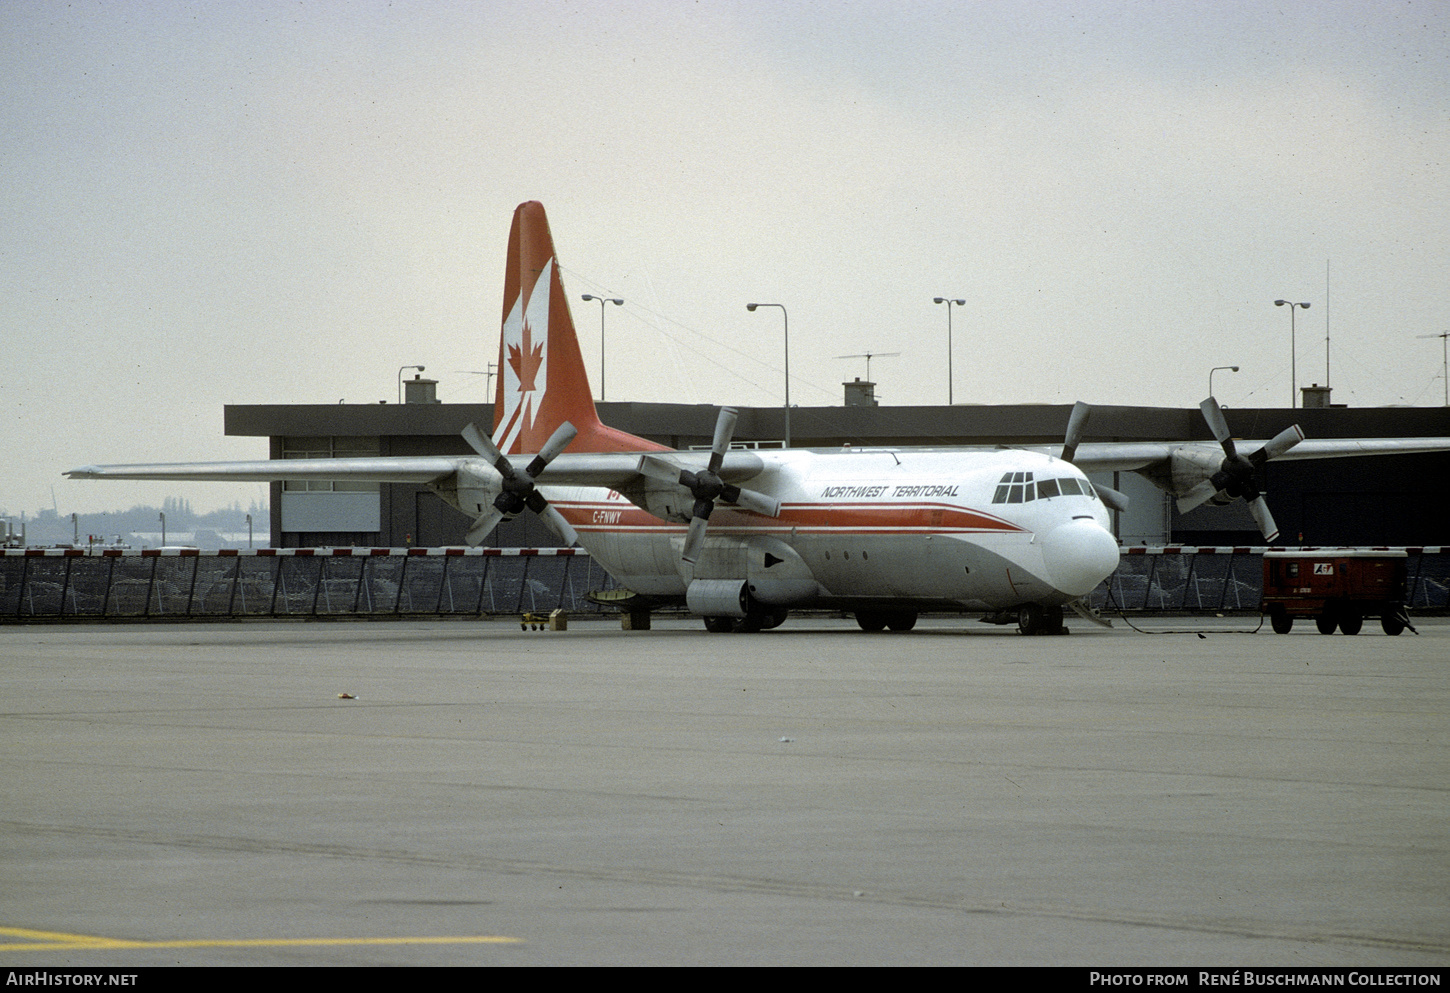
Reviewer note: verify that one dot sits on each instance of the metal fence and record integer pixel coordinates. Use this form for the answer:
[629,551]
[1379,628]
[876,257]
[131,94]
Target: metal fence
[295,582]
[37,584]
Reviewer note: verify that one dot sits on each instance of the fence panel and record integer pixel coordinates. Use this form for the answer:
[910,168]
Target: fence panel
[1430,581]
[213,586]
[90,580]
[338,583]
[130,588]
[171,584]
[256,586]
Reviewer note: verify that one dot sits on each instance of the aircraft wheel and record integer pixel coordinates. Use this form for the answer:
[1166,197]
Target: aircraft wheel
[901,620]
[1327,621]
[1393,619]
[1029,619]
[1350,621]
[719,625]
[774,619]
[871,620]
[1052,621]
[1280,619]
[749,624]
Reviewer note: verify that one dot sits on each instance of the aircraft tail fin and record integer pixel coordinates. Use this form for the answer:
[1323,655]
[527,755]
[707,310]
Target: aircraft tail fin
[542,383]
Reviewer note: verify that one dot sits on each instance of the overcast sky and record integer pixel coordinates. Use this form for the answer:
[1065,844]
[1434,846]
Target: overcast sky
[212,203]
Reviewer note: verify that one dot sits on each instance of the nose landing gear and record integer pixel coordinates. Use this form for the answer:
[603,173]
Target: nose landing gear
[1033,618]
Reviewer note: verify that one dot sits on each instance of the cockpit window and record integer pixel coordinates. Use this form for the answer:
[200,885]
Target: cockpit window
[1018,487]
[1015,487]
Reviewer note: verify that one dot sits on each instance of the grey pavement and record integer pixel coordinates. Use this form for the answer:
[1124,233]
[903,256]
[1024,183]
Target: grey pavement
[201,795]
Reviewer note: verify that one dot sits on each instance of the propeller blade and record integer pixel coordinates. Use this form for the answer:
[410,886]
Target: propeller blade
[695,540]
[724,431]
[1260,509]
[1076,422]
[758,502]
[1200,494]
[558,441]
[1114,499]
[1277,445]
[485,523]
[1213,414]
[562,528]
[483,445]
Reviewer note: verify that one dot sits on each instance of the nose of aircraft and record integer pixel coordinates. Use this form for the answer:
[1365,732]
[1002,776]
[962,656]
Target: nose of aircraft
[1079,555]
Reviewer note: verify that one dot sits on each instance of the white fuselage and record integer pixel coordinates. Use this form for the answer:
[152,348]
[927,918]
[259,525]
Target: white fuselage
[924,528]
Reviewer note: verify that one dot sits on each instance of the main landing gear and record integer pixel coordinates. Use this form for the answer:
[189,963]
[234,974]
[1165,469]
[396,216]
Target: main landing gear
[876,620]
[756,620]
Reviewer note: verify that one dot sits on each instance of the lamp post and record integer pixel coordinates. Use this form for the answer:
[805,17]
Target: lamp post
[1217,368]
[949,303]
[1293,372]
[786,317]
[602,302]
[1444,361]
[400,379]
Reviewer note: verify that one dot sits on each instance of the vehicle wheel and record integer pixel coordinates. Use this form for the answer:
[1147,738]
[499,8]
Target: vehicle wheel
[901,620]
[719,625]
[1393,619]
[1280,619]
[774,619]
[871,620]
[1326,622]
[1350,621]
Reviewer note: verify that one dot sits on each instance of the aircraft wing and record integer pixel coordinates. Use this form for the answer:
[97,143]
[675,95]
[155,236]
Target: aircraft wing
[610,470]
[1109,456]
[382,469]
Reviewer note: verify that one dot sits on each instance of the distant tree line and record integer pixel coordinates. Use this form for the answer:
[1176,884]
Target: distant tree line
[48,527]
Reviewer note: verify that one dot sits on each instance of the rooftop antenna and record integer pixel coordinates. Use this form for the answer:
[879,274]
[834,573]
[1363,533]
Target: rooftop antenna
[488,376]
[868,356]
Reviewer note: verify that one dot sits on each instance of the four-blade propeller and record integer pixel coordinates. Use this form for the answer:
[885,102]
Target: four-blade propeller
[706,486]
[1239,475]
[519,490]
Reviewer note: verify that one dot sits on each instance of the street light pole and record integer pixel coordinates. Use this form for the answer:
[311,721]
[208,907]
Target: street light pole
[400,379]
[1293,372]
[1217,368]
[602,302]
[786,317]
[1444,360]
[949,303]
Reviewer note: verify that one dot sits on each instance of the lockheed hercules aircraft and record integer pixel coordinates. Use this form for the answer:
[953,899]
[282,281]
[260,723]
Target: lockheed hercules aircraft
[743,537]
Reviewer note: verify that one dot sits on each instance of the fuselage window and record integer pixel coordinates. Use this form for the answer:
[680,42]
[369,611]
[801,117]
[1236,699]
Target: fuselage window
[1048,487]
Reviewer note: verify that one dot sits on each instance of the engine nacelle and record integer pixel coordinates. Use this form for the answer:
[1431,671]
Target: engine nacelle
[1187,466]
[472,488]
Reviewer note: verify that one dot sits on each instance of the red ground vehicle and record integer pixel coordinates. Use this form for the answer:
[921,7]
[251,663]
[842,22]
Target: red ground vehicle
[1338,587]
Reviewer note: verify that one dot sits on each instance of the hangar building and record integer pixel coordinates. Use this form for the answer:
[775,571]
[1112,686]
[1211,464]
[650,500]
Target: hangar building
[1379,500]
